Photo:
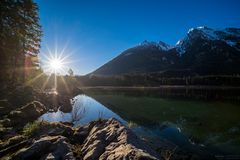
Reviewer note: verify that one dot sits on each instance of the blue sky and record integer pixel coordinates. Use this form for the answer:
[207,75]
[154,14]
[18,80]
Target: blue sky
[95,31]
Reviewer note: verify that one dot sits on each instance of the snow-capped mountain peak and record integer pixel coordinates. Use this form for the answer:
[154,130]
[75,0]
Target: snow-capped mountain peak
[161,45]
[231,36]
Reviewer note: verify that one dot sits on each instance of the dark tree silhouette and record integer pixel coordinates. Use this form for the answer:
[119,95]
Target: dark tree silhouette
[70,72]
[20,36]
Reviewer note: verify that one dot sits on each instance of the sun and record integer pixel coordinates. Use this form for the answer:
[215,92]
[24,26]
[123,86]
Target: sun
[56,64]
[56,61]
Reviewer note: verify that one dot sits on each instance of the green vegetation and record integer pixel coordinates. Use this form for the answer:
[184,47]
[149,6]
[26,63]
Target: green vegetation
[168,154]
[77,151]
[132,124]
[31,128]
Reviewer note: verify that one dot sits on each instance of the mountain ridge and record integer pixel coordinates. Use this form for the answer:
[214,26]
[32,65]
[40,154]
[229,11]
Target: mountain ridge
[203,50]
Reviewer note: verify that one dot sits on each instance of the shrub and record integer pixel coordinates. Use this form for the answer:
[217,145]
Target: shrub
[31,128]
[132,124]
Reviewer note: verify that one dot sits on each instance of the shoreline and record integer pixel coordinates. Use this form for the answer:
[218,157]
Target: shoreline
[21,113]
[162,87]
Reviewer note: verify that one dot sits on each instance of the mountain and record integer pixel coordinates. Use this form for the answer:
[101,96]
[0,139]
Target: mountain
[202,51]
[208,51]
[146,57]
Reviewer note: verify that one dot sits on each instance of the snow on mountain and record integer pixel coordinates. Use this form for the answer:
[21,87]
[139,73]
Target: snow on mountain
[128,54]
[202,51]
[148,44]
[230,36]
[161,45]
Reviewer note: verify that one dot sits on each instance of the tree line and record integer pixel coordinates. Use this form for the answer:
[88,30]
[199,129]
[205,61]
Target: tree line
[20,37]
[157,80]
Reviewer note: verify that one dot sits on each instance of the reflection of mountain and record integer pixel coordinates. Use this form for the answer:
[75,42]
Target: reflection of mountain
[203,50]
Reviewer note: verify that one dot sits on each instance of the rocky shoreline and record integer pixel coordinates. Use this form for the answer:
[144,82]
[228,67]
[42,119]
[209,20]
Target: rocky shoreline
[103,139]
[23,137]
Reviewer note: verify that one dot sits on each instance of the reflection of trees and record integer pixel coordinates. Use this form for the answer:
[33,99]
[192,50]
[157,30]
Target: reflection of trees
[78,112]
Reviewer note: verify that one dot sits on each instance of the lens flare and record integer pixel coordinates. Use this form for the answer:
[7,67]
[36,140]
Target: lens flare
[56,64]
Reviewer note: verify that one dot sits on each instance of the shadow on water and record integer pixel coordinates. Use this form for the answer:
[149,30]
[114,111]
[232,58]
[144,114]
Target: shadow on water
[198,127]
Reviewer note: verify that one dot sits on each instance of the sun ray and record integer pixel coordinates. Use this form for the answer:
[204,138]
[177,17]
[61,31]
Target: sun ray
[65,85]
[45,83]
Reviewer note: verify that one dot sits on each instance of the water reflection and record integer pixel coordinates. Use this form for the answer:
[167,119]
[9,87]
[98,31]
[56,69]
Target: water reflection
[85,109]
[189,124]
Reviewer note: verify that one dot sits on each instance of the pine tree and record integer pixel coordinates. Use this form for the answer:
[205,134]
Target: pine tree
[20,36]
[70,72]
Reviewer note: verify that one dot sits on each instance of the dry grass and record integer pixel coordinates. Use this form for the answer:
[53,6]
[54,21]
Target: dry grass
[168,153]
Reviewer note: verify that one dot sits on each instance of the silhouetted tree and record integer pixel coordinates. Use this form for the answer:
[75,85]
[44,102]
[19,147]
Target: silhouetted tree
[20,35]
[70,72]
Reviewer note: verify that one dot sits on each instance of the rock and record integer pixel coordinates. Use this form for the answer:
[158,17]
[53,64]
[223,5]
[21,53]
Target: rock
[75,135]
[80,134]
[11,141]
[5,107]
[13,144]
[65,104]
[102,139]
[6,133]
[53,129]
[55,100]
[5,122]
[49,147]
[108,139]
[48,99]
[25,114]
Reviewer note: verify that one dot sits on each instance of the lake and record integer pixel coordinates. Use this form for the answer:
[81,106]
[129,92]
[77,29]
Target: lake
[196,126]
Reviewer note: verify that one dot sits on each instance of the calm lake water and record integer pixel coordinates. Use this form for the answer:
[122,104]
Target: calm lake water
[199,127]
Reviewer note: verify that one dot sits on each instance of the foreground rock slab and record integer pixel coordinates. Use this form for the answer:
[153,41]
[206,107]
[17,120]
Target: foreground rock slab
[109,139]
[101,139]
[25,114]
[51,147]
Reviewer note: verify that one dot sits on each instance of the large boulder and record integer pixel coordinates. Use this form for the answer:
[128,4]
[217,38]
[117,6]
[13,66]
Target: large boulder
[25,114]
[42,141]
[102,139]
[55,101]
[109,139]
[49,147]
[75,135]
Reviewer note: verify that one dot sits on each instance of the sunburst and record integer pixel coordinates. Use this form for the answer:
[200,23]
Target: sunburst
[55,63]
